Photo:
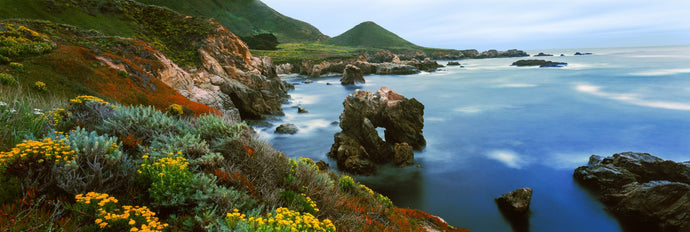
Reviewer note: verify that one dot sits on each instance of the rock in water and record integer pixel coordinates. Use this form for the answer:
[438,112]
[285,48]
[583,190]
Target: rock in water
[287,128]
[516,201]
[302,110]
[514,207]
[358,147]
[352,75]
[645,192]
[404,154]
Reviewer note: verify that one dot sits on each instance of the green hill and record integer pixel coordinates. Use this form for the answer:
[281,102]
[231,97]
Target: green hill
[370,34]
[246,18]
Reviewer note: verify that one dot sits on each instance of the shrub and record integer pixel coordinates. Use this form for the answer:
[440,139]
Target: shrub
[17,66]
[100,165]
[346,183]
[139,125]
[300,202]
[105,214]
[189,144]
[168,177]
[89,111]
[175,110]
[122,73]
[32,162]
[7,79]
[213,127]
[283,219]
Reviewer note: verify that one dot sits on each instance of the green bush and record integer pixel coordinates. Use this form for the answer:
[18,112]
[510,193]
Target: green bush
[17,66]
[40,86]
[89,111]
[100,165]
[7,79]
[142,124]
[215,128]
[168,177]
[189,144]
[346,183]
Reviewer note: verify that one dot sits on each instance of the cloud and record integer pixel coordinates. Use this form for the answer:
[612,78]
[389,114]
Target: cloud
[631,98]
[500,23]
[661,72]
[507,157]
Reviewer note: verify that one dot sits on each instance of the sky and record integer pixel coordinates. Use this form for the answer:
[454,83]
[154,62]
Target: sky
[505,24]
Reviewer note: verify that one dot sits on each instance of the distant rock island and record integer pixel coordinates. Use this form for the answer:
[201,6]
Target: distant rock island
[540,63]
[583,53]
[543,54]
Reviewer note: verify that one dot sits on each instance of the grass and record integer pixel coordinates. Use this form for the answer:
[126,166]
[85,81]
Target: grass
[297,52]
[370,34]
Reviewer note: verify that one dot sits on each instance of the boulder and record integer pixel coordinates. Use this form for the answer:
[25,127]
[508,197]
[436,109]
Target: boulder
[516,201]
[453,63]
[302,110]
[643,191]
[391,68]
[322,166]
[514,207]
[287,128]
[583,53]
[352,75]
[358,147]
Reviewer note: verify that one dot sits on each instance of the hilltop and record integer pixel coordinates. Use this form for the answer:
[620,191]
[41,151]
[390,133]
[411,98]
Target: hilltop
[246,18]
[370,34]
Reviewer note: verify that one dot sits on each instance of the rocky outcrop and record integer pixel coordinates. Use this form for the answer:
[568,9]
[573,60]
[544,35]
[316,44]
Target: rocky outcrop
[514,206]
[540,63]
[453,63]
[352,75]
[543,54]
[397,69]
[229,78]
[358,147]
[582,53]
[497,54]
[516,201]
[286,128]
[645,192]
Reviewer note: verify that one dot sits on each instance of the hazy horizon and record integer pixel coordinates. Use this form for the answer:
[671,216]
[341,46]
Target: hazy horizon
[501,24]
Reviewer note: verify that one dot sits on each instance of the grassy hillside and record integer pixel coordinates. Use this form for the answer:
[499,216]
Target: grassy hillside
[246,18]
[370,34]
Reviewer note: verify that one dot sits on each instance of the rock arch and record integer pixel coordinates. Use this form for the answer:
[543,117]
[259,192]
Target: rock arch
[358,147]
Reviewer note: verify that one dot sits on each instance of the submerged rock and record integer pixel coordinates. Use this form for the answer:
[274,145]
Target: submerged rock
[583,53]
[302,110]
[453,63]
[287,128]
[358,147]
[645,192]
[543,54]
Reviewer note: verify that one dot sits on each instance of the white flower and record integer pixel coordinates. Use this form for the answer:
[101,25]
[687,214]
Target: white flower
[2,103]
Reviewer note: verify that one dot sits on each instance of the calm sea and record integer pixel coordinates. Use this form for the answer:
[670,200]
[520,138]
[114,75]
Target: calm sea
[492,128]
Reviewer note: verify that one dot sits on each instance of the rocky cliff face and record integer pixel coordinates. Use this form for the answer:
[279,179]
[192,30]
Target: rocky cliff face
[228,79]
[645,192]
[358,147]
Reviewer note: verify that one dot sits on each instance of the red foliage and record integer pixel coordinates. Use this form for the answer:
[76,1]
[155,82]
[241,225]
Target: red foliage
[237,180]
[140,87]
[130,142]
[250,151]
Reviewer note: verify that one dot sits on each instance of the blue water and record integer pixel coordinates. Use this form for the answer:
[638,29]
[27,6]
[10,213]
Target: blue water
[492,128]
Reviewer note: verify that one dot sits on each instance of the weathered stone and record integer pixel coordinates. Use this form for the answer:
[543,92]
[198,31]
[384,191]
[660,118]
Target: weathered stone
[352,75]
[403,154]
[643,191]
[302,110]
[540,63]
[287,128]
[517,201]
[358,146]
[322,166]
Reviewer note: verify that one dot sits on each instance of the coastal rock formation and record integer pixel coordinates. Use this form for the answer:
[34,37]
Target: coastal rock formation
[583,53]
[453,63]
[352,75]
[358,147]
[541,63]
[496,54]
[645,192]
[302,110]
[229,78]
[543,54]
[403,154]
[514,206]
[287,128]
[516,201]
[398,69]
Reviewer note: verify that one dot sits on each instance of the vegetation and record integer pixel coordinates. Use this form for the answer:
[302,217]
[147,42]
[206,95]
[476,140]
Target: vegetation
[103,166]
[266,41]
[370,34]
[246,18]
[297,52]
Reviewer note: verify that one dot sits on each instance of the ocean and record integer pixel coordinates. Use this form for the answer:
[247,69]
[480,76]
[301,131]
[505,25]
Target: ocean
[492,127]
